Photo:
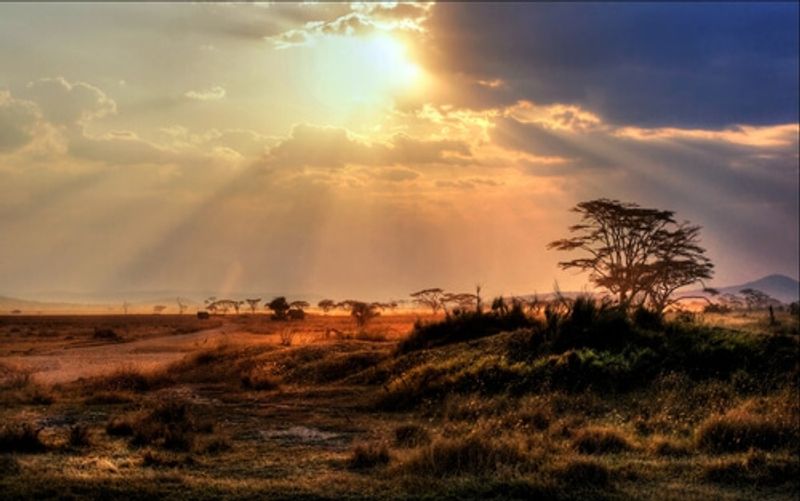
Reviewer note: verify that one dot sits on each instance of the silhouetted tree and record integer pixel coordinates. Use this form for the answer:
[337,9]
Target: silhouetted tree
[756,299]
[279,307]
[181,306]
[125,306]
[326,305]
[363,312]
[460,302]
[640,255]
[432,298]
[157,309]
[253,303]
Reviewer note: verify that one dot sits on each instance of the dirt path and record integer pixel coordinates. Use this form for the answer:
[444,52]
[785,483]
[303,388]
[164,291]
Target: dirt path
[69,364]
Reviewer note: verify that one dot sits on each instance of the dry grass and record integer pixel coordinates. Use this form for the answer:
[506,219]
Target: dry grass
[469,455]
[743,428]
[21,437]
[601,440]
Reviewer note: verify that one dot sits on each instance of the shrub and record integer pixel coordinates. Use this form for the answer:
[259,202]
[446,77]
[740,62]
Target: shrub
[582,472]
[20,437]
[411,435]
[662,446]
[78,436]
[119,427]
[597,440]
[130,380]
[106,334]
[463,327]
[754,469]
[108,398]
[259,382]
[470,455]
[740,430]
[366,456]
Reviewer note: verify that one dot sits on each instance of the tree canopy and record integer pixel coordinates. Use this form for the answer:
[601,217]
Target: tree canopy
[640,255]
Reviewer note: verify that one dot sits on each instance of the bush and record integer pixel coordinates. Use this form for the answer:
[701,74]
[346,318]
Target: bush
[739,430]
[129,380]
[463,327]
[171,425]
[411,435]
[665,447]
[596,440]
[259,382]
[8,465]
[470,455]
[754,469]
[581,472]
[20,437]
[367,456]
[106,334]
[78,436]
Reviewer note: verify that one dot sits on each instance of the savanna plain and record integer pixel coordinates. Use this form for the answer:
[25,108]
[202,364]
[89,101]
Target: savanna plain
[567,401]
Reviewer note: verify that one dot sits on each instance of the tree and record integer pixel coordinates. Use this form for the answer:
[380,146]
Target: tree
[363,312]
[640,255]
[432,298]
[125,306]
[326,305]
[460,302]
[296,310]
[157,309]
[756,299]
[253,303]
[181,306]
[280,308]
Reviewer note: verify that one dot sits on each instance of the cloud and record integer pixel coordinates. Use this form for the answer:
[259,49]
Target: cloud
[316,146]
[67,103]
[17,121]
[654,65]
[363,19]
[214,93]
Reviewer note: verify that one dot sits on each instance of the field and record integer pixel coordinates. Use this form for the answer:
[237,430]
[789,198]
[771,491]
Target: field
[583,405]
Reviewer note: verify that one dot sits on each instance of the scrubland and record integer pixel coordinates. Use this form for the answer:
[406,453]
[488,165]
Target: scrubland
[578,403]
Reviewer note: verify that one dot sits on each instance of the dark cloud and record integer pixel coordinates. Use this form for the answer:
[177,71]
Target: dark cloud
[655,64]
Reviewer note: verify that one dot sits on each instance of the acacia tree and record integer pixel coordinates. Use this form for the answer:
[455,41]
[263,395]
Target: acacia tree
[432,298]
[253,303]
[461,302]
[157,309]
[756,299]
[363,312]
[280,308]
[326,305]
[640,255]
[181,306]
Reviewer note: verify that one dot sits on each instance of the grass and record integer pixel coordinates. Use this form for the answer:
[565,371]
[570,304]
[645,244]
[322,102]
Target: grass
[541,411]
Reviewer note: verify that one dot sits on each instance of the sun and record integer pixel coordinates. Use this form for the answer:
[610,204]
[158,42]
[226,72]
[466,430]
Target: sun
[353,74]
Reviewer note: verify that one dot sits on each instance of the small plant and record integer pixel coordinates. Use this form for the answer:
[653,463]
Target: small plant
[411,435]
[287,336]
[259,382]
[20,437]
[596,440]
[583,472]
[367,456]
[740,430]
[79,436]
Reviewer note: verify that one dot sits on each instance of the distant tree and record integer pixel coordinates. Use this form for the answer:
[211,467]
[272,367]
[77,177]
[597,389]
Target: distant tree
[280,308]
[181,306]
[756,299]
[157,309]
[432,298]
[297,310]
[460,302]
[326,305]
[253,303]
[125,306]
[640,255]
[363,312]
[237,305]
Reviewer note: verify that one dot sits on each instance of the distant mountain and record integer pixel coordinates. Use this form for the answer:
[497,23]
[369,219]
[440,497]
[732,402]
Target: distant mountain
[784,289]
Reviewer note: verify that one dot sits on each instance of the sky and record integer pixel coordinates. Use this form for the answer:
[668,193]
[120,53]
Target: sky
[370,150]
